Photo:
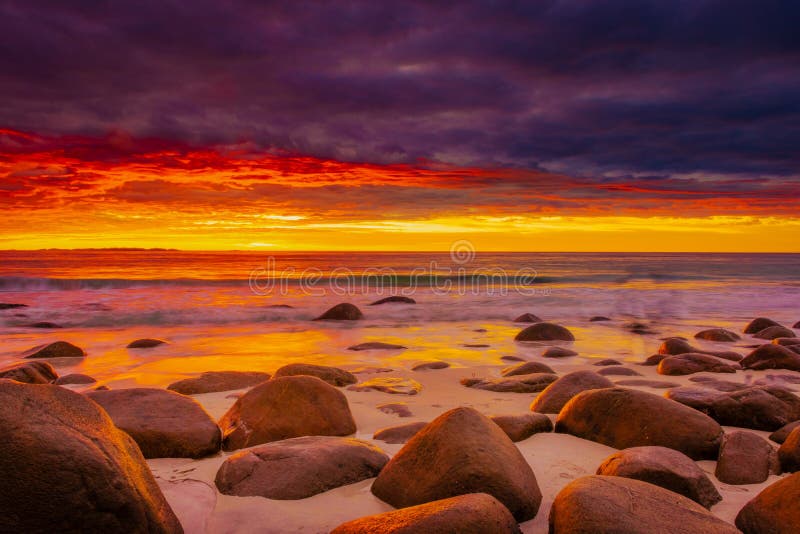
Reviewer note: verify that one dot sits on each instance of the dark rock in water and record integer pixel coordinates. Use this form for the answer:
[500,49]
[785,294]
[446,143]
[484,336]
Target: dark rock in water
[476,345]
[607,362]
[480,330]
[11,306]
[460,452]
[145,343]
[527,368]
[745,458]
[770,356]
[298,468]
[59,349]
[780,435]
[399,433]
[616,417]
[690,363]
[786,341]
[639,382]
[557,394]
[29,372]
[214,381]
[759,407]
[286,407]
[639,328]
[719,385]
[663,467]
[512,384]
[44,324]
[789,452]
[674,346]
[428,366]
[598,318]
[545,332]
[773,332]
[376,345]
[774,510]
[392,385]
[342,312]
[396,299]
[523,426]
[164,424]
[332,375]
[655,359]
[528,318]
[400,409]
[796,325]
[718,334]
[67,468]
[602,504]
[616,370]
[508,358]
[558,352]
[75,378]
[280,307]
[758,324]
[475,513]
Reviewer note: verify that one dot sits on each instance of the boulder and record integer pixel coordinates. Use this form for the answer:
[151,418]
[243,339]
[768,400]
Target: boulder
[392,385]
[745,458]
[718,334]
[774,332]
[617,370]
[332,375]
[601,504]
[690,363]
[400,409]
[522,426]
[286,407]
[394,299]
[795,325]
[298,468]
[11,306]
[75,378]
[474,513]
[399,433]
[770,356]
[607,362]
[460,452]
[67,468]
[545,332]
[29,372]
[558,352]
[44,324]
[774,510]
[786,341]
[164,424]
[58,349]
[557,394]
[719,385]
[663,467]
[527,368]
[758,324]
[789,452]
[214,381]
[376,345]
[758,407]
[780,435]
[429,366]
[599,318]
[639,382]
[145,343]
[528,318]
[655,359]
[512,384]
[342,312]
[623,418]
[675,345]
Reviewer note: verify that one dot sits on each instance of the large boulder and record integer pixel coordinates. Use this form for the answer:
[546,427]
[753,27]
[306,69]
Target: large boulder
[677,345]
[342,312]
[663,467]
[460,452]
[745,458]
[602,504]
[399,433]
[523,426]
[774,332]
[718,334]
[545,332]
[29,372]
[512,384]
[527,368]
[474,513]
[65,467]
[758,324]
[58,349]
[774,510]
[772,356]
[74,378]
[557,394]
[758,407]
[286,407]
[690,363]
[164,424]
[145,343]
[214,381]
[789,452]
[780,435]
[332,375]
[623,418]
[394,385]
[298,468]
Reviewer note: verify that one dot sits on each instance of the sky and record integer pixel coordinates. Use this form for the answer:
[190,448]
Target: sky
[569,125]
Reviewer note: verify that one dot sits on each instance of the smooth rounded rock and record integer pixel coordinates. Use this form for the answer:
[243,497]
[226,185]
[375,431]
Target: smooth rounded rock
[617,370]
[745,458]
[394,299]
[332,375]
[758,324]
[690,363]
[789,452]
[214,381]
[545,332]
[512,384]
[771,356]
[780,435]
[718,334]
[674,346]
[430,366]
[145,343]
[29,372]
[774,510]
[558,352]
[774,332]
[527,368]
[58,349]
[74,378]
[376,345]
[528,318]
[557,394]
[342,312]
[399,433]
[522,426]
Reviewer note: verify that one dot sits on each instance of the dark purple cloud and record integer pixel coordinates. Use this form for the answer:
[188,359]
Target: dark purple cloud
[635,88]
